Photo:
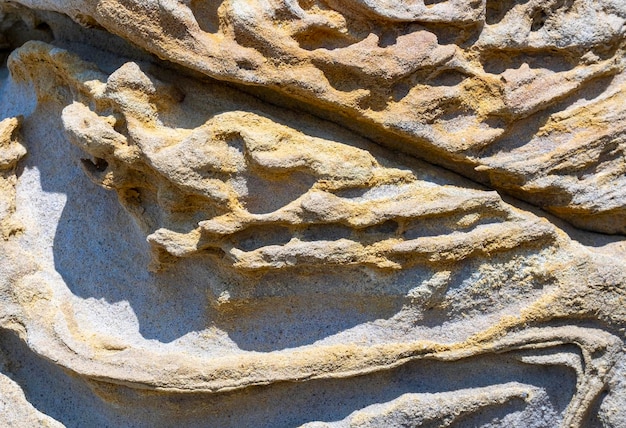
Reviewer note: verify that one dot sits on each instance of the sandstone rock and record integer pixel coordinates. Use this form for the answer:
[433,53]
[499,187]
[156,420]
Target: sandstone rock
[472,85]
[260,231]
[11,151]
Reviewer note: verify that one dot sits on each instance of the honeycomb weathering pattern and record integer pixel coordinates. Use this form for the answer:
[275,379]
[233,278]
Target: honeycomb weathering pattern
[299,254]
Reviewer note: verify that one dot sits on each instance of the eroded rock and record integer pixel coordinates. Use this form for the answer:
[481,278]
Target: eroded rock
[296,257]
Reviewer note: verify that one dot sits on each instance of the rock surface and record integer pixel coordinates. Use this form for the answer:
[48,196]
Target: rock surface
[312,213]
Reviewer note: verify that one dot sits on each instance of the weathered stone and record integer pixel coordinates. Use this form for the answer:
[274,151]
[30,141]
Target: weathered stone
[181,250]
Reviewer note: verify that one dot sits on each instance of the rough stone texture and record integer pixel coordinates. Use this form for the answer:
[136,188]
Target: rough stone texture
[312,213]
